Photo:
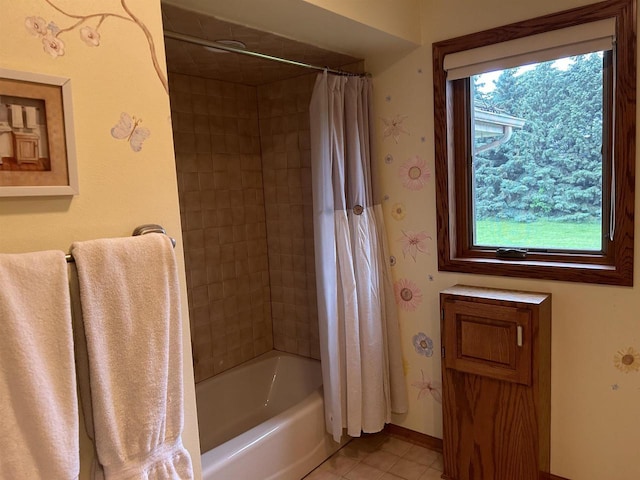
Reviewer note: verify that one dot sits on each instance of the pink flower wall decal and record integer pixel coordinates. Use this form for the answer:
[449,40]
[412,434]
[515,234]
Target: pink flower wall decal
[393,127]
[90,36]
[414,173]
[36,26]
[53,45]
[426,385]
[414,243]
[408,295]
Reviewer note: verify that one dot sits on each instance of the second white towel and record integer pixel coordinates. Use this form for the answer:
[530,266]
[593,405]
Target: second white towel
[131,313]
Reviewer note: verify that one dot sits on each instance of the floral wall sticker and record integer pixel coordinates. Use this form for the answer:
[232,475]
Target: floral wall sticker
[426,385]
[393,127]
[414,243]
[408,295]
[627,360]
[423,344]
[414,173]
[398,212]
[88,27]
[128,128]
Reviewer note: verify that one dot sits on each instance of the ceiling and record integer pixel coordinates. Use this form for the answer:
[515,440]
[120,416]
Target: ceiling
[190,59]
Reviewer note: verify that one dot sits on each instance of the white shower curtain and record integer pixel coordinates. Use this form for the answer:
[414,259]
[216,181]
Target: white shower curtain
[359,333]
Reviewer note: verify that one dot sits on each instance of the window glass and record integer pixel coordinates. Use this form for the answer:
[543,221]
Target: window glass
[537,156]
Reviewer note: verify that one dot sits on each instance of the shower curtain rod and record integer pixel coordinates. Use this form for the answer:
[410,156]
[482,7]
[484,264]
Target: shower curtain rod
[206,43]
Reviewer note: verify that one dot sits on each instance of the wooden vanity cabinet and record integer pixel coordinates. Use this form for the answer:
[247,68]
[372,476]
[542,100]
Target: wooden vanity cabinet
[496,372]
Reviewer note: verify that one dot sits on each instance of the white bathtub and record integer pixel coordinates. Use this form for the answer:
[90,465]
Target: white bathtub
[263,420]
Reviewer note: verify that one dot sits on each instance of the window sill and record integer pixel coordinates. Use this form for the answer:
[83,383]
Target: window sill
[540,270]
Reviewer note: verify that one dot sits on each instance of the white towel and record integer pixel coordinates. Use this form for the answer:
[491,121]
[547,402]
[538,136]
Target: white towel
[38,400]
[30,115]
[131,313]
[16,116]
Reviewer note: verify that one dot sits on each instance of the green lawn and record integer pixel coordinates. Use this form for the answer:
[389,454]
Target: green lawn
[578,236]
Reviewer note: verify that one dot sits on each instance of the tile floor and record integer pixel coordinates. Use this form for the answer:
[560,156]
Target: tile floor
[380,456]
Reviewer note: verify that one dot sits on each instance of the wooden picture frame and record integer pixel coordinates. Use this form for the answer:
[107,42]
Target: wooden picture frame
[37,140]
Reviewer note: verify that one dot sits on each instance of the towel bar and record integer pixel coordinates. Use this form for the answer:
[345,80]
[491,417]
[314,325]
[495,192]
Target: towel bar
[140,230]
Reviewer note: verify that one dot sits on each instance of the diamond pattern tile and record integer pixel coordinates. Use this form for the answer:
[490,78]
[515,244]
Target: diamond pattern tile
[369,458]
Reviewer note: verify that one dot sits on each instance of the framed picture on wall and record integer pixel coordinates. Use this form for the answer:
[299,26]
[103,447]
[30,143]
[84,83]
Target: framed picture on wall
[37,143]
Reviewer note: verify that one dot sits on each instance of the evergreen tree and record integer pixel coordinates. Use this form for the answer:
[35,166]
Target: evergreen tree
[552,167]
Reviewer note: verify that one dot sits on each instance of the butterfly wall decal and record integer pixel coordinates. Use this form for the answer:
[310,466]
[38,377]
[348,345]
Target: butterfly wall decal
[128,128]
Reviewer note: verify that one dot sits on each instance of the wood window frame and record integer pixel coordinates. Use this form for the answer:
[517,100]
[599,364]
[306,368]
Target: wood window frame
[614,266]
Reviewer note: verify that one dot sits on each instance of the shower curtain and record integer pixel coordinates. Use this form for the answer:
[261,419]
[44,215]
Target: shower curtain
[359,333]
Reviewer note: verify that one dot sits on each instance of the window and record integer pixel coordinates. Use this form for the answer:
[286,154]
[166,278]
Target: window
[535,147]
[537,156]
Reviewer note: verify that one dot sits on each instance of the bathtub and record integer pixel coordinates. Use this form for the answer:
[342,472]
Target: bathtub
[263,420]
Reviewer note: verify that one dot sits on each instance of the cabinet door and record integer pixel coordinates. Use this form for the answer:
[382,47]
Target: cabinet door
[487,339]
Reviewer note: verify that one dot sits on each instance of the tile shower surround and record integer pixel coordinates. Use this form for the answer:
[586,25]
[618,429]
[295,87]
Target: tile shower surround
[244,182]
[286,163]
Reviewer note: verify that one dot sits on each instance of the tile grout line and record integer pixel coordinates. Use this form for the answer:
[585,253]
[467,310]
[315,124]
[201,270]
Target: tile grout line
[344,464]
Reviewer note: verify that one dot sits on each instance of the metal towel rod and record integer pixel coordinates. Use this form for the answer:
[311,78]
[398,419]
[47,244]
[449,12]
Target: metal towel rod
[141,230]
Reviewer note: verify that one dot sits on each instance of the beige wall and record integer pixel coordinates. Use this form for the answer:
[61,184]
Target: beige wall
[595,422]
[119,189]
[397,17]
[330,24]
